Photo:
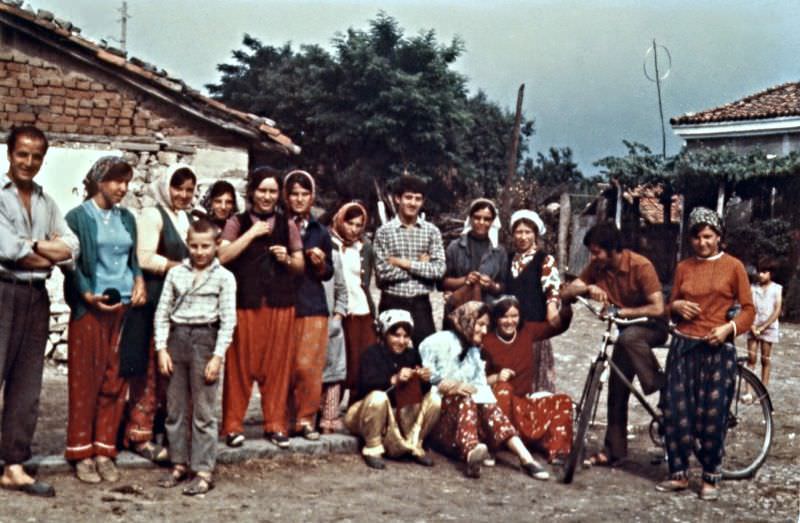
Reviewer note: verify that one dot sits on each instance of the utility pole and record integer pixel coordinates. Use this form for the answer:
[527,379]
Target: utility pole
[123,20]
[505,205]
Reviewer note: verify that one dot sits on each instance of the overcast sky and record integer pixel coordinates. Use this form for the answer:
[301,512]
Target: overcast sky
[581,61]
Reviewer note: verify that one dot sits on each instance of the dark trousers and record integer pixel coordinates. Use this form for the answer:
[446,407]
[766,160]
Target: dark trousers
[634,356]
[191,423]
[24,319]
[420,309]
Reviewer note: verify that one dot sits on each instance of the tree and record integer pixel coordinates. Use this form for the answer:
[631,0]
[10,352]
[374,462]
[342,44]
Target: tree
[380,104]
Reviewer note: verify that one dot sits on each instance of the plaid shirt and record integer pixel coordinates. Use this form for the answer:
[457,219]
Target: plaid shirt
[395,239]
[212,298]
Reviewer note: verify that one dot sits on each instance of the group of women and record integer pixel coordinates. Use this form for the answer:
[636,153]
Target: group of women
[492,366]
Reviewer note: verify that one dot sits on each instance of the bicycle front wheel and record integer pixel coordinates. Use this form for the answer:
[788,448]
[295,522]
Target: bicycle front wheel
[750,427]
[585,414]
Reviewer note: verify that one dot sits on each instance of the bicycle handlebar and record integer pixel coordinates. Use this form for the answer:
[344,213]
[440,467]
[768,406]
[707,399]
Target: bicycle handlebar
[612,317]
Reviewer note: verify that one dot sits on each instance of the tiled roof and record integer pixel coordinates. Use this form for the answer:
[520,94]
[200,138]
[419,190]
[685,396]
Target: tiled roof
[775,102]
[650,206]
[44,25]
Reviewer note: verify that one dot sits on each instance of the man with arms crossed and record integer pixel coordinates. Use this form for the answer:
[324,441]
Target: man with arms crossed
[33,238]
[627,281]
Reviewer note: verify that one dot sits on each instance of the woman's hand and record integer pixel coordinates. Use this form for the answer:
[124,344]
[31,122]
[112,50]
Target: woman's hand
[164,362]
[719,334]
[98,302]
[213,366]
[281,253]
[404,374]
[317,258]
[688,310]
[424,373]
[472,278]
[139,293]
[259,228]
[505,375]
[465,389]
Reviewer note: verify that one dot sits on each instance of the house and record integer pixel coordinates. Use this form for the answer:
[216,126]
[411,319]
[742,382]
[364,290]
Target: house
[93,100]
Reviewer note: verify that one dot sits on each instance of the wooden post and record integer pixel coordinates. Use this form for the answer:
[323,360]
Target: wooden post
[512,153]
[721,199]
[564,217]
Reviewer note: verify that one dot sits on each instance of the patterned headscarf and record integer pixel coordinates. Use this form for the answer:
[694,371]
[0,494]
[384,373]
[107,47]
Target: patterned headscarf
[494,229]
[705,216]
[337,223]
[391,317]
[465,317]
[98,172]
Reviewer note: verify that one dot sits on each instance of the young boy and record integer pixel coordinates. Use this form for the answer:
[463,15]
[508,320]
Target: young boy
[409,258]
[765,329]
[194,325]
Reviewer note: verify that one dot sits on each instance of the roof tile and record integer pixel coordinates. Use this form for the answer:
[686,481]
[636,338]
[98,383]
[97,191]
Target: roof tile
[779,101]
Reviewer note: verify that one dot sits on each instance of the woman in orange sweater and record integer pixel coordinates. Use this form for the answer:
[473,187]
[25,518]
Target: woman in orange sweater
[701,365]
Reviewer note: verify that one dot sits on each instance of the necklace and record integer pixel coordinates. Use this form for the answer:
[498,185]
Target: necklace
[507,341]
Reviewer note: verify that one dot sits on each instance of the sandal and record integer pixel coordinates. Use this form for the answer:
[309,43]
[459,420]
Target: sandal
[234,439]
[600,459]
[151,451]
[171,479]
[199,485]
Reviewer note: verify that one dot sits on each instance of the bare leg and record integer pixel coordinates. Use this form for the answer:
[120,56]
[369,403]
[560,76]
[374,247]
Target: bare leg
[516,446]
[766,365]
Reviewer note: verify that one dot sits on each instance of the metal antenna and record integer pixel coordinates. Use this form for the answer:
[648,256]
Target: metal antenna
[657,78]
[123,20]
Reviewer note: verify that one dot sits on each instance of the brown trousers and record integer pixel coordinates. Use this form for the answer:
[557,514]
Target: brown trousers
[311,344]
[96,391]
[262,351]
[359,335]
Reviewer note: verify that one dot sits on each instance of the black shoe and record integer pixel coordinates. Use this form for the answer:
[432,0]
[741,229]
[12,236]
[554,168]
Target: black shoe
[424,460]
[375,462]
[37,488]
[536,471]
[278,439]
[309,433]
[234,439]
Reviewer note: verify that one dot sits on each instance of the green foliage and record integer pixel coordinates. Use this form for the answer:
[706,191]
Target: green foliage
[754,240]
[380,104]
[640,166]
[556,169]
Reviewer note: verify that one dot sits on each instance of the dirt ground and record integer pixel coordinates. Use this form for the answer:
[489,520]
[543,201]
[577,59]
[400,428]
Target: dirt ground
[341,488]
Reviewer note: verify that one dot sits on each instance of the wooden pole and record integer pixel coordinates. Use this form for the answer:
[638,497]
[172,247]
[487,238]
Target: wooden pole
[564,216]
[512,154]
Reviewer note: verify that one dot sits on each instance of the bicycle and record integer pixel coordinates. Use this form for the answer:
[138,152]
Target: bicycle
[750,424]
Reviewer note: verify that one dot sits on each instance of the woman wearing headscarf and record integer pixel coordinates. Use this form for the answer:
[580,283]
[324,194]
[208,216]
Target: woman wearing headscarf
[701,364]
[311,305]
[161,231]
[394,410]
[347,231]
[543,420]
[264,250]
[219,203]
[533,279]
[476,264]
[470,417]
[106,281]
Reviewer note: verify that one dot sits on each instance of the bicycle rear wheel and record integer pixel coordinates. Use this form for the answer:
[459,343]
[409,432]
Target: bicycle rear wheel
[750,427]
[585,413]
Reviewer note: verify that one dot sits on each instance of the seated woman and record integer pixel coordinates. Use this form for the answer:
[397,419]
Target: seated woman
[543,420]
[391,413]
[470,415]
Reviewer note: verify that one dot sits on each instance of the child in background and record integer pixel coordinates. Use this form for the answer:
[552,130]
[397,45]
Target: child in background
[194,325]
[336,358]
[765,330]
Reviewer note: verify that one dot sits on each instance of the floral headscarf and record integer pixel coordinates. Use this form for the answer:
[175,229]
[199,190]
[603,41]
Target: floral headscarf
[337,223]
[705,216]
[465,317]
[98,172]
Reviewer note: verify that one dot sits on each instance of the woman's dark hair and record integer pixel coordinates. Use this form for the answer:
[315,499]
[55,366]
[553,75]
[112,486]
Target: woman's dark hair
[25,130]
[258,175]
[501,306]
[298,179]
[604,235]
[353,212]
[397,326]
[118,171]
[481,205]
[221,187]
[695,229]
[181,175]
[409,183]
[529,223]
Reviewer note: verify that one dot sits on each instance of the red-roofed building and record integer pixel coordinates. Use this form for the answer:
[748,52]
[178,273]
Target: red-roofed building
[768,120]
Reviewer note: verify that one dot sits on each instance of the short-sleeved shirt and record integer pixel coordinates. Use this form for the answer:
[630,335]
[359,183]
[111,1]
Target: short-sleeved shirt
[765,299]
[630,284]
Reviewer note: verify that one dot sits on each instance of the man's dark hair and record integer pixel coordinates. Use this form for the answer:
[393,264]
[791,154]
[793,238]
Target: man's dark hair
[604,235]
[25,130]
[203,225]
[411,184]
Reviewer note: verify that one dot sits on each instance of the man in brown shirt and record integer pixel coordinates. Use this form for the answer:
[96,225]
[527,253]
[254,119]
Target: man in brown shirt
[628,281]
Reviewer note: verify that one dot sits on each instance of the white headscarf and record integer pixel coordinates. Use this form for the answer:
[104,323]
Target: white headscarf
[529,215]
[161,186]
[389,318]
[494,229]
